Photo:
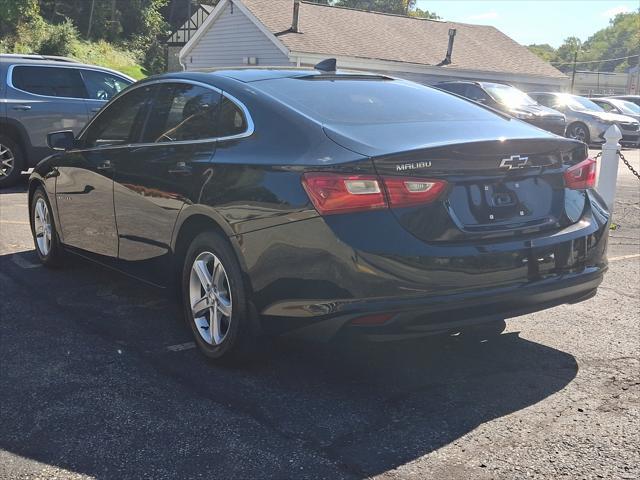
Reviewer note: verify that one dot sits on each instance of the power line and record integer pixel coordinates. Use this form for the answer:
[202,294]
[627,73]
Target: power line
[595,61]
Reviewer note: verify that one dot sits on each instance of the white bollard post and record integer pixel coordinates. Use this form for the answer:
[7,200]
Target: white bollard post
[608,168]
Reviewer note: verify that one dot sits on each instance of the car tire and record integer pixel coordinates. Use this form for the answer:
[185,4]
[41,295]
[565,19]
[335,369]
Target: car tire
[11,162]
[44,231]
[579,131]
[216,305]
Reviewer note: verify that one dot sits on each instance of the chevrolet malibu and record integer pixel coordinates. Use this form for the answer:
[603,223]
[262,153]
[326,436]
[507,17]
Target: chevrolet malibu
[318,202]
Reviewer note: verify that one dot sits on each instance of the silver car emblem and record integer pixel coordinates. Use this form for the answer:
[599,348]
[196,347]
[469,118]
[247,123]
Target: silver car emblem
[514,161]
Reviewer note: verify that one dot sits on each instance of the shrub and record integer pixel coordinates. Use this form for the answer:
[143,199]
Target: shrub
[59,39]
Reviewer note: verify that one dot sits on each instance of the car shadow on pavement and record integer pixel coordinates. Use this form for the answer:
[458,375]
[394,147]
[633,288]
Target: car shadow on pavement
[98,377]
[21,186]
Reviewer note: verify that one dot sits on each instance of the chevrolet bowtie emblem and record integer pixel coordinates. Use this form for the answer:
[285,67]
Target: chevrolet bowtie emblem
[514,161]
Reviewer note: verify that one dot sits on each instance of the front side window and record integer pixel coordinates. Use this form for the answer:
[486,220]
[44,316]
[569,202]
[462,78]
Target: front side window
[102,85]
[477,94]
[120,122]
[50,81]
[182,111]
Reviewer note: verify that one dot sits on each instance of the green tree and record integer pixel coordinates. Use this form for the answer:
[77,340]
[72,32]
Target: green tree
[544,51]
[15,13]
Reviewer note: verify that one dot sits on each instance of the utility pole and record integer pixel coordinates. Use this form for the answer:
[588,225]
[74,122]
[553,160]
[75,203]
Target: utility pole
[93,3]
[573,75]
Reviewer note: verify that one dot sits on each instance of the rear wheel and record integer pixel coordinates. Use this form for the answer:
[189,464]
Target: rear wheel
[215,300]
[11,162]
[578,131]
[43,229]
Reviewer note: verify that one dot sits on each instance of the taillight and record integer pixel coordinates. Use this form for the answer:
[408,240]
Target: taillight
[406,192]
[333,193]
[581,175]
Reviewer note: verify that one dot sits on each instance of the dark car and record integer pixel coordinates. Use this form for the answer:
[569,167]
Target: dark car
[511,100]
[40,93]
[318,203]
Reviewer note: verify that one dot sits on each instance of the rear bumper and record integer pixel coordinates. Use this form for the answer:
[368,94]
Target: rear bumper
[322,274]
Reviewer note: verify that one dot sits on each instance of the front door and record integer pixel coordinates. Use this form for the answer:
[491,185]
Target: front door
[84,186]
[168,169]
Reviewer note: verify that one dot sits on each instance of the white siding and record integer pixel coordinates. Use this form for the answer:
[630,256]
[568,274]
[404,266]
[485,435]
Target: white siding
[230,38]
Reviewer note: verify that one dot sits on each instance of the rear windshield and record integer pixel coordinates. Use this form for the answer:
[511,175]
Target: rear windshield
[358,102]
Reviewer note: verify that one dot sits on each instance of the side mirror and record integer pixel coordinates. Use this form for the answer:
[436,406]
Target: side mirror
[61,141]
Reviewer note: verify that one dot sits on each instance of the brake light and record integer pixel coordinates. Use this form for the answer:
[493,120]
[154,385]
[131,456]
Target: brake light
[333,193]
[581,175]
[405,192]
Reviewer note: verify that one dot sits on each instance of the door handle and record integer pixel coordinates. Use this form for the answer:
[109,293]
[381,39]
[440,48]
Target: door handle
[181,168]
[22,107]
[107,165]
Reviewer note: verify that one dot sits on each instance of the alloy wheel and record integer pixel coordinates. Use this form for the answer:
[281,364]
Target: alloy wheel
[7,161]
[579,133]
[210,298]
[42,226]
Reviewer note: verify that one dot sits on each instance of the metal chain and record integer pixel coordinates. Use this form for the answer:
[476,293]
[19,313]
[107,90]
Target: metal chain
[626,162]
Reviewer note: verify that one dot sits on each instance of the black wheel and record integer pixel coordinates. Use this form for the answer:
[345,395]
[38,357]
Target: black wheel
[578,131]
[215,300]
[11,162]
[43,229]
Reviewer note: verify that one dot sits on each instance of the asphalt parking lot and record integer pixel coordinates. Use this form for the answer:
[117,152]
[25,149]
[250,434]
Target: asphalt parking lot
[98,379]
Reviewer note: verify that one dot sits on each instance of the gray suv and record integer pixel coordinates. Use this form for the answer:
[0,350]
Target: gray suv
[41,94]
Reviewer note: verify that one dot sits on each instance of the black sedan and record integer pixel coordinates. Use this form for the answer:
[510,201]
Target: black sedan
[317,202]
[510,100]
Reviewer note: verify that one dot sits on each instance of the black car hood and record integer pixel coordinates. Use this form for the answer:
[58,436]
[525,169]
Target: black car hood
[383,139]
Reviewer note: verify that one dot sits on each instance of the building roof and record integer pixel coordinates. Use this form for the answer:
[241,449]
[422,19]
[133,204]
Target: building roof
[335,31]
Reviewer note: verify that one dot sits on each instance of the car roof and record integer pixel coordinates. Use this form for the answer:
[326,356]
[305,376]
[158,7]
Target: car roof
[257,74]
[44,60]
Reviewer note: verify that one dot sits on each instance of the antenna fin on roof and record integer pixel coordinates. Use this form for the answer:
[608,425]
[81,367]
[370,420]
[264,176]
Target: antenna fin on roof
[328,65]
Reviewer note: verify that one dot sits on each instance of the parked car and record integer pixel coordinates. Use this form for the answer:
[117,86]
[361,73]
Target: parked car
[587,121]
[615,105]
[316,202]
[39,94]
[628,98]
[510,100]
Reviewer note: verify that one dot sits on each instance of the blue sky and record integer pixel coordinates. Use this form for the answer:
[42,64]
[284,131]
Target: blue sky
[542,21]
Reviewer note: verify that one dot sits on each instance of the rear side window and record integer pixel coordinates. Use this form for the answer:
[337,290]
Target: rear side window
[232,121]
[120,122]
[459,88]
[103,85]
[182,111]
[50,81]
[366,102]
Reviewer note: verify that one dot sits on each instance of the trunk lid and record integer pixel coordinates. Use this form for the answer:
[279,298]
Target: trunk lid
[495,188]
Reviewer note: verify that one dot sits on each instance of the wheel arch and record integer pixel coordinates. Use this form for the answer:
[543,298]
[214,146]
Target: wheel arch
[17,133]
[196,219]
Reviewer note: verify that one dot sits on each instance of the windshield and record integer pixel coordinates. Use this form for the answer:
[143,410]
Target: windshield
[509,96]
[627,107]
[580,104]
[343,101]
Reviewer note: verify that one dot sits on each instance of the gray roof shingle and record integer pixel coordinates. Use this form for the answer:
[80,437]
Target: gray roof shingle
[354,33]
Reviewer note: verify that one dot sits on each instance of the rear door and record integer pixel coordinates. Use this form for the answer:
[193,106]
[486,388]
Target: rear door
[168,168]
[45,99]
[101,87]
[84,186]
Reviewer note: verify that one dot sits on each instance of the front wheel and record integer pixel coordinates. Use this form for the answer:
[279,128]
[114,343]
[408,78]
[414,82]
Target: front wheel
[43,229]
[578,131]
[215,299]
